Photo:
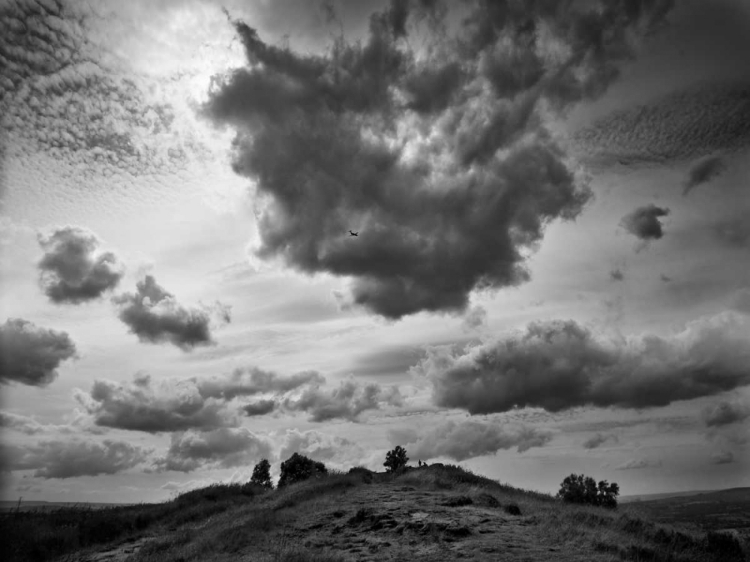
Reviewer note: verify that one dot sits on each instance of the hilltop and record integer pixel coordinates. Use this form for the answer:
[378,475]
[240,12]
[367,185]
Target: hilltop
[436,513]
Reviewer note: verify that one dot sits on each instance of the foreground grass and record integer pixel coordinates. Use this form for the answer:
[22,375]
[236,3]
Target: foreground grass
[224,522]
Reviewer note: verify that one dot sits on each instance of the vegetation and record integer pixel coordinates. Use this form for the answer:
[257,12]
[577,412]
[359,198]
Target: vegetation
[395,459]
[581,489]
[262,474]
[298,468]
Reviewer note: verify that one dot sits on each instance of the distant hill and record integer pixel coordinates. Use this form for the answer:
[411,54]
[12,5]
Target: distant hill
[651,497]
[7,505]
[439,513]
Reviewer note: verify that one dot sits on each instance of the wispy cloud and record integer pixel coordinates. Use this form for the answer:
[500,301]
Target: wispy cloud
[600,439]
[703,171]
[31,354]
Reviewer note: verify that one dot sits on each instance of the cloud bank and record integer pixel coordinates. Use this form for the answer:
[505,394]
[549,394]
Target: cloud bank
[72,270]
[468,439]
[155,316]
[438,155]
[30,354]
[560,365]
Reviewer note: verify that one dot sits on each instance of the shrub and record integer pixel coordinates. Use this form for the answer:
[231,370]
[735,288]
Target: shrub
[395,459]
[298,468]
[581,489]
[262,474]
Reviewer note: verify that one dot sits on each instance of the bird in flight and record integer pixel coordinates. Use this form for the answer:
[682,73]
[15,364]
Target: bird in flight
[353,233]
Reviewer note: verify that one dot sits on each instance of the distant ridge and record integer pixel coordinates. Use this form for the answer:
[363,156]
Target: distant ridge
[665,495]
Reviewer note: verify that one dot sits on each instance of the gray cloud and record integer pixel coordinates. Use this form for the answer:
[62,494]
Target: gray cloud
[475,318]
[741,300]
[170,405]
[179,405]
[155,316]
[703,171]
[688,124]
[22,424]
[598,440]
[322,447]
[616,275]
[468,439]
[346,401]
[643,222]
[221,448]
[30,354]
[72,270]
[637,464]
[71,459]
[722,457]
[560,365]
[440,158]
[725,413]
[733,232]
[259,408]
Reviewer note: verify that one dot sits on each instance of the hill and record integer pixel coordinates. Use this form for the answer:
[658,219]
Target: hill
[436,513]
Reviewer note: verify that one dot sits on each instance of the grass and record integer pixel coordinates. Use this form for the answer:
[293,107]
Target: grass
[223,522]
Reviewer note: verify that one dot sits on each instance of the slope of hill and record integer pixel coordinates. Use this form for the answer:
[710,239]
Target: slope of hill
[435,513]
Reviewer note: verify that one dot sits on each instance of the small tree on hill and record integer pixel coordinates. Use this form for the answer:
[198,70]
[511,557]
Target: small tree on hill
[581,489]
[262,474]
[298,468]
[395,459]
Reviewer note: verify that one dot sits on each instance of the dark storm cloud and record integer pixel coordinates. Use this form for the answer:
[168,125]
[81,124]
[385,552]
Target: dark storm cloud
[644,223]
[178,405]
[688,124]
[346,401]
[726,413]
[468,439]
[598,440]
[155,316]
[72,269]
[71,459]
[259,408]
[220,448]
[560,365]
[703,171]
[60,96]
[439,158]
[249,382]
[30,354]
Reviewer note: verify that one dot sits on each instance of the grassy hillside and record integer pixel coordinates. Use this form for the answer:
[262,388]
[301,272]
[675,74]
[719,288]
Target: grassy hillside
[435,513]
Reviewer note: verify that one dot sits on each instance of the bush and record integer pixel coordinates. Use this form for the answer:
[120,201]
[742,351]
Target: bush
[262,474]
[581,489]
[395,459]
[298,468]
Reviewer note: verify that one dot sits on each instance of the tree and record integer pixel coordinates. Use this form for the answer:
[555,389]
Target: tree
[298,468]
[581,489]
[262,474]
[395,459]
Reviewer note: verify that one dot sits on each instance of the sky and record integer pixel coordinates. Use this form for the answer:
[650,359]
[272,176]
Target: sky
[550,273]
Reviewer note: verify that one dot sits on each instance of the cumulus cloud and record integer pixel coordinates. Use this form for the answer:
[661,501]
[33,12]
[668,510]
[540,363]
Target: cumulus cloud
[560,365]
[346,401]
[598,440]
[469,439]
[688,124]
[155,316]
[726,412]
[644,223]
[703,171]
[722,457]
[636,464]
[475,318]
[259,408]
[224,447]
[182,404]
[141,405]
[439,155]
[71,459]
[30,354]
[72,269]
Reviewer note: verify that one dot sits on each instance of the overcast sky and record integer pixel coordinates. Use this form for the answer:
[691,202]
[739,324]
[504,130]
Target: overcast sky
[551,272]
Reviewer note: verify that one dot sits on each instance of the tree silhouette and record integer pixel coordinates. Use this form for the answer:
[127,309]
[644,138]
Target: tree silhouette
[395,459]
[262,474]
[581,489]
[298,468]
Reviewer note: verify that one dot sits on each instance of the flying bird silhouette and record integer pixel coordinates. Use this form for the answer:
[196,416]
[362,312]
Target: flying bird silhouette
[353,233]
